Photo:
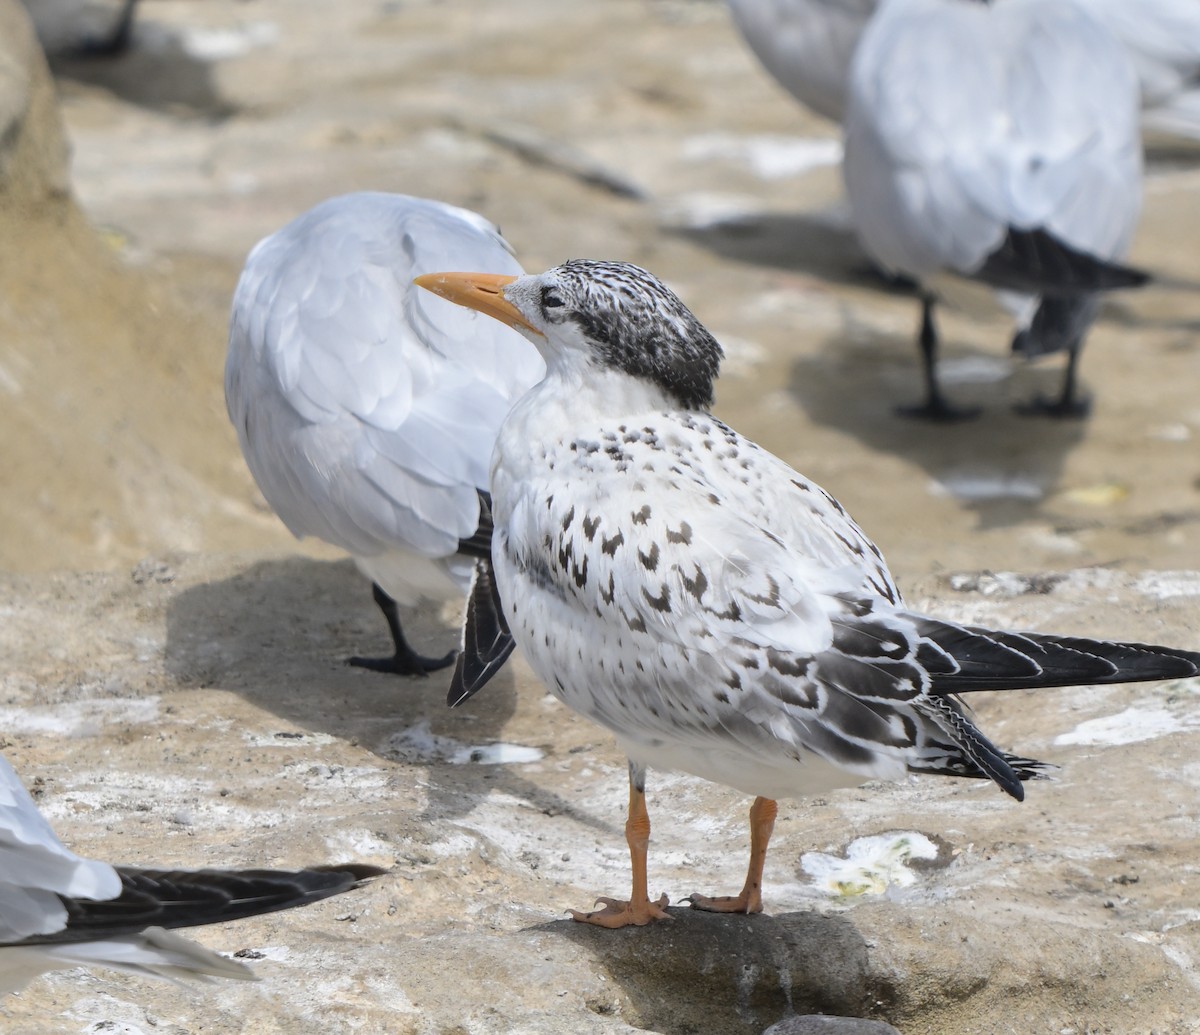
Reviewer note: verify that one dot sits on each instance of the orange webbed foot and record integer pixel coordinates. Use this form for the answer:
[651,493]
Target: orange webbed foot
[618,913]
[742,903]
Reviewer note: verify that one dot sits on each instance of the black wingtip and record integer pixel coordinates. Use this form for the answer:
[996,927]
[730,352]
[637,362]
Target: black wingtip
[193,898]
[486,642]
[471,676]
[1022,770]
[359,873]
[964,659]
[1036,262]
[459,689]
[479,545]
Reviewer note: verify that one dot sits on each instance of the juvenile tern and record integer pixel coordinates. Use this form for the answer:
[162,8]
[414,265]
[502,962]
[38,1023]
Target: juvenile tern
[59,911]
[366,411]
[997,143]
[715,609]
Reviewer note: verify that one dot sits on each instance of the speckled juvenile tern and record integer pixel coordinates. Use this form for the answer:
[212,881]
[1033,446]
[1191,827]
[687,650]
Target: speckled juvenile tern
[719,612]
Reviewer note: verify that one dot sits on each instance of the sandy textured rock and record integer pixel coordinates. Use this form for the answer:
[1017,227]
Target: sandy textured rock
[812,1024]
[111,409]
[197,711]
[228,118]
[33,149]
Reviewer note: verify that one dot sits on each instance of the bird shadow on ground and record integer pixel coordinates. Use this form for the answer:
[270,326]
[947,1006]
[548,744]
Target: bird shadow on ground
[157,72]
[823,244]
[820,244]
[708,972]
[1143,310]
[278,634]
[1001,465]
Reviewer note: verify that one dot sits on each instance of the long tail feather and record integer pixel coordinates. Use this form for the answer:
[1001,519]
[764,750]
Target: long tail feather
[962,659]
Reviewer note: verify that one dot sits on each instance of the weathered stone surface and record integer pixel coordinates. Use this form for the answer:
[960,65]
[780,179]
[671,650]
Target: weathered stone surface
[197,711]
[814,1024]
[33,148]
[111,412]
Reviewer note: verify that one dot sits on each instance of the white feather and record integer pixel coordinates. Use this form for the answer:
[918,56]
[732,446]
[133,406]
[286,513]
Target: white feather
[807,45]
[1027,119]
[367,410]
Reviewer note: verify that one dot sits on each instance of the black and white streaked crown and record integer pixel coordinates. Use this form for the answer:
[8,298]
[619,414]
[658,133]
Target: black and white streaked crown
[634,322]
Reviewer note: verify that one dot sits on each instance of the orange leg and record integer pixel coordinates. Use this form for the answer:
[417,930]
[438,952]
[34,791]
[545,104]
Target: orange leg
[639,909]
[762,822]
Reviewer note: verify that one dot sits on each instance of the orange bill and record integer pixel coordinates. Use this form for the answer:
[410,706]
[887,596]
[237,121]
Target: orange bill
[481,291]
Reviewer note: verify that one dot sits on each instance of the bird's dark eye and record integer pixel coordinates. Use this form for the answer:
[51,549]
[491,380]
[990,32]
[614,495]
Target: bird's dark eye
[549,299]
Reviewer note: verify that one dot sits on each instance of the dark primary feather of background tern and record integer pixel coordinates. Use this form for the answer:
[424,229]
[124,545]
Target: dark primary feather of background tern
[68,28]
[58,910]
[715,609]
[366,411]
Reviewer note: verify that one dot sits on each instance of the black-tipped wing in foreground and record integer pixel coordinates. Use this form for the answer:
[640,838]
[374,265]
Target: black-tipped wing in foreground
[487,642]
[174,898]
[1035,262]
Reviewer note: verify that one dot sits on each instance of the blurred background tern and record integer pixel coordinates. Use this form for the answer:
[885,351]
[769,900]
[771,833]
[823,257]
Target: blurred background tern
[1001,144]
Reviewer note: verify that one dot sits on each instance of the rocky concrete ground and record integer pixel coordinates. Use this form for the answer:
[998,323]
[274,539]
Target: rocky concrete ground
[194,709]
[197,711]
